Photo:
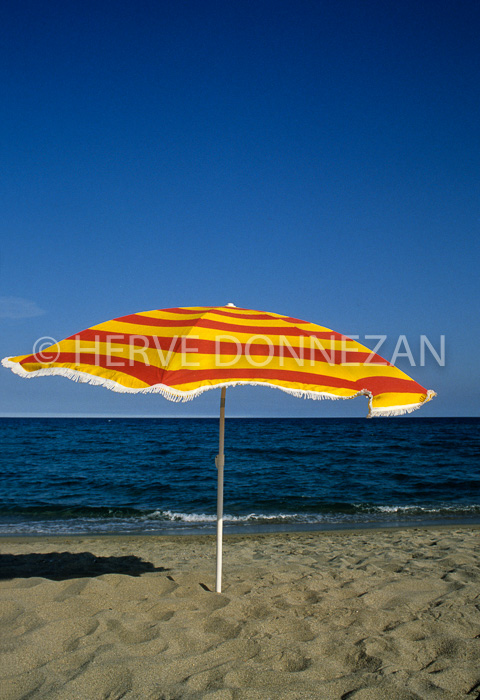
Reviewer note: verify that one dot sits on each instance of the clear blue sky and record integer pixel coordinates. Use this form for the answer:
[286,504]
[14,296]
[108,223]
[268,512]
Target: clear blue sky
[312,158]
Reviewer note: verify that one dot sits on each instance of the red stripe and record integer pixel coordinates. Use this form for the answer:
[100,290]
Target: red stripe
[220,326]
[232,312]
[215,309]
[193,310]
[291,319]
[260,316]
[386,385]
[146,373]
[224,311]
[160,322]
[154,375]
[377,385]
[269,331]
[199,317]
[211,347]
[200,322]
[152,341]
[248,317]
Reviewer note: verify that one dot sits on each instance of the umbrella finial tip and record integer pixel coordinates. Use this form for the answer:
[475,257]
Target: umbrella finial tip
[230,304]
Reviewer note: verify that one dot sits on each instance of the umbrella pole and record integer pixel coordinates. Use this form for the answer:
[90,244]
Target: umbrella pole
[220,461]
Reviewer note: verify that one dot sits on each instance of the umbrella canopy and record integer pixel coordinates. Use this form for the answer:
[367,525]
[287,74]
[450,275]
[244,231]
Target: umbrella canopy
[182,352]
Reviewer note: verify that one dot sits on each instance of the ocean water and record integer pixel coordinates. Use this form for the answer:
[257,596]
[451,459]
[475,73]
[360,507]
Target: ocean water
[100,475]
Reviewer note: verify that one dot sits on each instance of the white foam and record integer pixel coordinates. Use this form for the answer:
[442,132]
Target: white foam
[207,518]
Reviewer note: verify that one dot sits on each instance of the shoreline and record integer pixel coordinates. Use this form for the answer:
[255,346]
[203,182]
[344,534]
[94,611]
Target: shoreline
[252,530]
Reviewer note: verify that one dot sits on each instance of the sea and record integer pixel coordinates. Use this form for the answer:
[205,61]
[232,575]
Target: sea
[65,476]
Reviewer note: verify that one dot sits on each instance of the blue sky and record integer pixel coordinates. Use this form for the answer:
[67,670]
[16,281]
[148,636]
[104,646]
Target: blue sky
[315,159]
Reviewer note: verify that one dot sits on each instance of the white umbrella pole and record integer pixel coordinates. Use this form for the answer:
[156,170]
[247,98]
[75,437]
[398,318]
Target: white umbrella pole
[220,461]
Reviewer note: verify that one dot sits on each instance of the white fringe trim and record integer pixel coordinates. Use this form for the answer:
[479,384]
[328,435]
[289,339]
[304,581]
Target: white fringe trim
[176,395]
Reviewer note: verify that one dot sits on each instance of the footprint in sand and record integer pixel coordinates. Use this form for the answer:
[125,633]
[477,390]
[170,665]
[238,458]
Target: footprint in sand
[133,633]
[222,628]
[291,660]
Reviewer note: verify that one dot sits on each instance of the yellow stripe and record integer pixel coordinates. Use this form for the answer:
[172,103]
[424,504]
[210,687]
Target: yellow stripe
[161,315]
[396,399]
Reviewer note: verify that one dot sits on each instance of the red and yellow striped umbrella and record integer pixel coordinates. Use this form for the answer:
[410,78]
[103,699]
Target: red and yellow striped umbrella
[182,352]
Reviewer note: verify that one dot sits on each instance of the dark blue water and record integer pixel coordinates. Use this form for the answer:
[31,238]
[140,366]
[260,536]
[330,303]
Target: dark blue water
[158,475]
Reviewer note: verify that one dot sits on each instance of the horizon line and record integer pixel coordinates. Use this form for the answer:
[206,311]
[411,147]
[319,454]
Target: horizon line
[196,417]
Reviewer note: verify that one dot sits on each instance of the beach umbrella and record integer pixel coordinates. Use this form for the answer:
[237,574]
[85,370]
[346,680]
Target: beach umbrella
[182,352]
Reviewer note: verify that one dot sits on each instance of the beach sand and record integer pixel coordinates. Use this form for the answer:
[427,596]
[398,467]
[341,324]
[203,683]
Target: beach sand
[366,614]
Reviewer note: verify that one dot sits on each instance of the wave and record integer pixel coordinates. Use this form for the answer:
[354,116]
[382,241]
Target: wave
[45,520]
[56,511]
[359,512]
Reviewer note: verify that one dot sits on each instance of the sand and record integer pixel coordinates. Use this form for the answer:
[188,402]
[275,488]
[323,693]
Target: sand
[369,614]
